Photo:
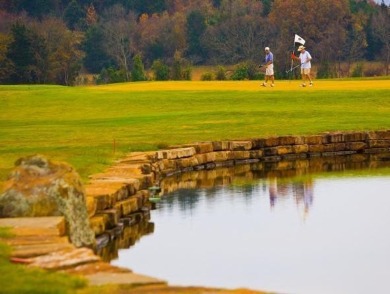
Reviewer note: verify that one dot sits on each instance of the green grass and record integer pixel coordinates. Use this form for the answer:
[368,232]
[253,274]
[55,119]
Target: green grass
[89,127]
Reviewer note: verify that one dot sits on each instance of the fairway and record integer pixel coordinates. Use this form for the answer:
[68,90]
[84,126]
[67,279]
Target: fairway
[89,127]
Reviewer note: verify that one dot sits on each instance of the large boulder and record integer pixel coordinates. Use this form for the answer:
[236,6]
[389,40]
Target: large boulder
[39,187]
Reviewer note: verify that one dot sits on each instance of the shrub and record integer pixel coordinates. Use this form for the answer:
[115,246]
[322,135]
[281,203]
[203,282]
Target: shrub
[138,72]
[325,71]
[253,72]
[161,70]
[358,70]
[220,74]
[241,72]
[207,76]
[181,69]
[162,145]
[111,75]
[187,73]
[373,71]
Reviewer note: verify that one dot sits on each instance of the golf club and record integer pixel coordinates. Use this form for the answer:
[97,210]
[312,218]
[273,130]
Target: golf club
[290,70]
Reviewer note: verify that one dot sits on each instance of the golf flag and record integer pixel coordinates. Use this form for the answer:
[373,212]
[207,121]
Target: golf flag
[299,40]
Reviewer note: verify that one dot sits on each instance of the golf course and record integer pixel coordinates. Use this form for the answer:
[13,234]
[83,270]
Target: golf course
[92,126]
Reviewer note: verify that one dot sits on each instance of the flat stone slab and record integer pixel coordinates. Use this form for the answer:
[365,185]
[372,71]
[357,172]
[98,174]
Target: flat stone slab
[33,226]
[64,258]
[94,268]
[122,278]
[33,250]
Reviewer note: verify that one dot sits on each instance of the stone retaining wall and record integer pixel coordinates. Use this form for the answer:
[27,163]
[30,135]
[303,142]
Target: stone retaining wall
[122,190]
[207,155]
[118,198]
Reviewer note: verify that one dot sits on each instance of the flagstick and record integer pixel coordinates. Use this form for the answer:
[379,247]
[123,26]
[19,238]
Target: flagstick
[292,60]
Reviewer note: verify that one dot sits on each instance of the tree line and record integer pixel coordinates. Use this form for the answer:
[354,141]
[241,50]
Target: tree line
[52,41]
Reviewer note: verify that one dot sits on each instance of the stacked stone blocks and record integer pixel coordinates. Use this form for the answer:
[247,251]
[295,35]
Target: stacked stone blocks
[205,155]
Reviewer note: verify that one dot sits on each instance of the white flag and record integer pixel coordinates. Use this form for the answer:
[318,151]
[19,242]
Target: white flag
[299,40]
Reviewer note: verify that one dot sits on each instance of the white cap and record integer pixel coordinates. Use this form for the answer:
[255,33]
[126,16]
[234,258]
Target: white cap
[301,48]
[266,49]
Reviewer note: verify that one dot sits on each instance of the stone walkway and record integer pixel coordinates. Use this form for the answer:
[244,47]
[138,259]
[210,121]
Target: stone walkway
[41,242]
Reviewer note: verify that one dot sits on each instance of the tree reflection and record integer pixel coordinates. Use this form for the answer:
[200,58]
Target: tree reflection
[285,180]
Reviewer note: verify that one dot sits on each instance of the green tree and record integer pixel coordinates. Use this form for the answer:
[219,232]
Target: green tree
[196,27]
[146,6]
[267,5]
[6,65]
[27,52]
[74,16]
[161,70]
[138,71]
[34,8]
[96,57]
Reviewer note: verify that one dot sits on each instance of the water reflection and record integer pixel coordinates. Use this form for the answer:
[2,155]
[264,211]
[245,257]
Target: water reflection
[131,230]
[288,227]
[301,191]
[282,180]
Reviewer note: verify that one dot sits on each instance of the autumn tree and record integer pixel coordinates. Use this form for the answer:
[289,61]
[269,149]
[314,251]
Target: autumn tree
[322,23]
[7,20]
[63,51]
[91,17]
[160,36]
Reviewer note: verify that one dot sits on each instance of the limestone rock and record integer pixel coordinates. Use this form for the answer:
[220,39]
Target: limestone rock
[39,187]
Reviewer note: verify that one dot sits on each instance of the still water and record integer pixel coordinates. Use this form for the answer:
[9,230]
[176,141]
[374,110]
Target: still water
[317,233]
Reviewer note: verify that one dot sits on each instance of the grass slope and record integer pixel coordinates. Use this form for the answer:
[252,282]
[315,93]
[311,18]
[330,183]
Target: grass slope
[90,126]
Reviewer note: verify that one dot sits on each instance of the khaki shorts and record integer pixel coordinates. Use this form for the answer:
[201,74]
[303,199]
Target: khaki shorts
[305,71]
[269,71]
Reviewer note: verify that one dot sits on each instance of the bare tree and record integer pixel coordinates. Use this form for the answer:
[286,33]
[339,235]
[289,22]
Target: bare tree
[119,31]
[239,34]
[381,27]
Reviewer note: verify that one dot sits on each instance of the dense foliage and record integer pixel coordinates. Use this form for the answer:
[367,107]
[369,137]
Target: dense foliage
[52,41]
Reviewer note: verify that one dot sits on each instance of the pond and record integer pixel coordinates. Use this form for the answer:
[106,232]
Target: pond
[319,226]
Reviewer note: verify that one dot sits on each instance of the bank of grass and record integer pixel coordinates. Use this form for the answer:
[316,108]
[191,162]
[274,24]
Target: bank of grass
[90,127]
